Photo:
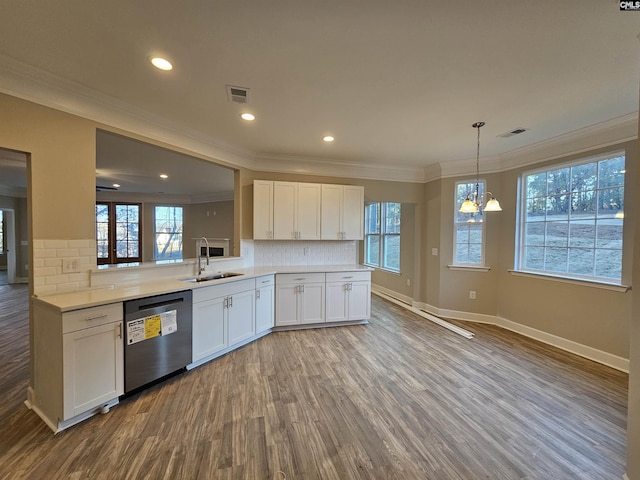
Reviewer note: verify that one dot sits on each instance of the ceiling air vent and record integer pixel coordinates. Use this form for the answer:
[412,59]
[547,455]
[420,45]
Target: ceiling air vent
[238,94]
[516,131]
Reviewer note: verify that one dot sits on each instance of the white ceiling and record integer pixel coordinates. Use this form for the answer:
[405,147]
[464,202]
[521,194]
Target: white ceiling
[397,83]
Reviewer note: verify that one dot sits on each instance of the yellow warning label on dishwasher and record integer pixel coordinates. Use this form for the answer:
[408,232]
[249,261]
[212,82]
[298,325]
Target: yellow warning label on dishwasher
[152,326]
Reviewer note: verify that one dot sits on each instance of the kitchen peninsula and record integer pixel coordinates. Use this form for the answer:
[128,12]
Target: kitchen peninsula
[80,337]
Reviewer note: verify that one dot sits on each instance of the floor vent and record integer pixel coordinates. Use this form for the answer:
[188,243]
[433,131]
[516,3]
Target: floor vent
[238,94]
[516,131]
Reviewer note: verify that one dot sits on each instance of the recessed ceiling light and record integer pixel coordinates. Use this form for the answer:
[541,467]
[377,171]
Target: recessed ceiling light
[328,138]
[116,185]
[164,175]
[161,63]
[248,116]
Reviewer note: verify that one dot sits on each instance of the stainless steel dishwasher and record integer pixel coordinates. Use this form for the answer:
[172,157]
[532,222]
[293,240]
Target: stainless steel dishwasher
[157,337]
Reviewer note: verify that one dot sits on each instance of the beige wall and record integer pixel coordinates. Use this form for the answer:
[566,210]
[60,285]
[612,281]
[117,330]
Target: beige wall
[633,425]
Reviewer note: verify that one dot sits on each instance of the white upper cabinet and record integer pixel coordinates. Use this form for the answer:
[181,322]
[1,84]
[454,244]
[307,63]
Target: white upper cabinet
[296,211]
[262,210]
[307,211]
[342,212]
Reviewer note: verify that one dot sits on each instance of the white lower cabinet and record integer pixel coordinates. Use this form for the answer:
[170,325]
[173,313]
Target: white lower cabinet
[265,303]
[348,296]
[223,315]
[300,299]
[84,349]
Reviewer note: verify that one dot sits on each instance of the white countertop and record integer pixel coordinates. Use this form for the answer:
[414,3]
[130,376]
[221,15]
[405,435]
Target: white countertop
[104,295]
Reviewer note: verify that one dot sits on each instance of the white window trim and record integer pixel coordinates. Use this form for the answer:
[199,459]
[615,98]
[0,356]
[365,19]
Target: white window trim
[521,194]
[467,266]
[381,240]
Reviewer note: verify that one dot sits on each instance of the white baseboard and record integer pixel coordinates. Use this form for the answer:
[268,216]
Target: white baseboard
[625,477]
[590,353]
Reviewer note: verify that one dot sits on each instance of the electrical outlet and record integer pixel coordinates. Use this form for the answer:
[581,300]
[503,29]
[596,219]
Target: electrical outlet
[472,294]
[71,265]
[434,252]
[408,282]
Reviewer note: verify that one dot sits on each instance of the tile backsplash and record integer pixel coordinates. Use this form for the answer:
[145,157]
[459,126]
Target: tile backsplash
[48,256]
[272,253]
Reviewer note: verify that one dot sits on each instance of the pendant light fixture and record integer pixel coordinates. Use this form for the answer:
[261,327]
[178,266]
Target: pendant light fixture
[474,200]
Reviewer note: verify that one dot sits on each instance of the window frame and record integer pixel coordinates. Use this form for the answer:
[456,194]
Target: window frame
[111,240]
[456,223]
[2,233]
[156,233]
[382,236]
[521,220]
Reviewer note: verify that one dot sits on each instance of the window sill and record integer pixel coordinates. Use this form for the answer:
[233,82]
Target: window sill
[615,287]
[469,268]
[386,270]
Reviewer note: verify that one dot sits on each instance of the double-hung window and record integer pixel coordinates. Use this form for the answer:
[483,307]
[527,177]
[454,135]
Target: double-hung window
[382,236]
[468,235]
[571,219]
[168,232]
[118,234]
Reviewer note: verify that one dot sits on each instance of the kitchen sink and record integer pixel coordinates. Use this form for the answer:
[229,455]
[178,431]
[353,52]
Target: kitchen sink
[216,276]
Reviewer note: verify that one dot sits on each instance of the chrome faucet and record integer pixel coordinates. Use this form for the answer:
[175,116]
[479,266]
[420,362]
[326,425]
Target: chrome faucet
[200,268]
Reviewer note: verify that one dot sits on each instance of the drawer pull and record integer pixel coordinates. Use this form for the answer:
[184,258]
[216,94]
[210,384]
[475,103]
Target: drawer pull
[301,278]
[350,276]
[265,281]
[97,317]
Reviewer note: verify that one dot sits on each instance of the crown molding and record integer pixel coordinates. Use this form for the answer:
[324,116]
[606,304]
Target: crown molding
[35,85]
[601,135]
[15,192]
[335,168]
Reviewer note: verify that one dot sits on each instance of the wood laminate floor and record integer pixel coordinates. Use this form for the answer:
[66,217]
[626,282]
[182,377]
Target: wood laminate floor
[400,398]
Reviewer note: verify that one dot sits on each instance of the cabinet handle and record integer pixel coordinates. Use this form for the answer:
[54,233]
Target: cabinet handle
[301,288]
[257,293]
[264,281]
[349,276]
[120,330]
[97,317]
[225,302]
[230,302]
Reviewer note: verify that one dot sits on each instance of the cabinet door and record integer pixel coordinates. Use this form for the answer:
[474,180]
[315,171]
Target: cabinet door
[287,304]
[308,211]
[241,316]
[262,210]
[337,302]
[284,210]
[312,303]
[353,213]
[264,308]
[209,334]
[331,219]
[360,301]
[93,368]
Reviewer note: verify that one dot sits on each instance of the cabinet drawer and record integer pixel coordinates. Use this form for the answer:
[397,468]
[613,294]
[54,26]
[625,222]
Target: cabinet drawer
[265,281]
[91,317]
[222,290]
[299,278]
[348,276]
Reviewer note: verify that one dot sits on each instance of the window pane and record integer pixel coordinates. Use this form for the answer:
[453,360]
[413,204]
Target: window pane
[168,221]
[392,252]
[581,261]
[534,234]
[555,259]
[558,181]
[372,214]
[462,253]
[609,263]
[557,234]
[610,202]
[536,185]
[611,172]
[609,234]
[475,253]
[582,213]
[462,234]
[534,258]
[584,177]
[392,218]
[475,233]
[582,234]
[373,250]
